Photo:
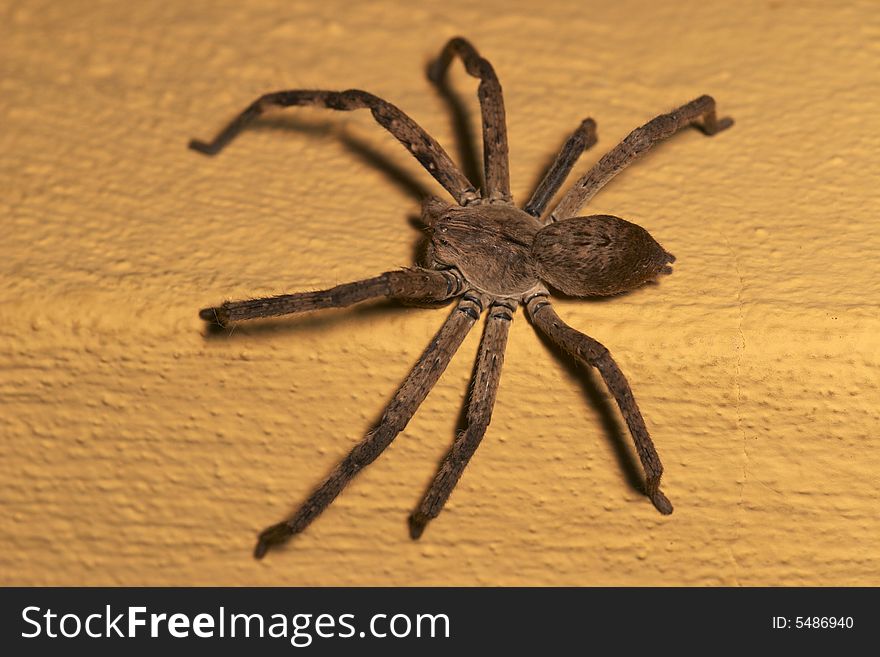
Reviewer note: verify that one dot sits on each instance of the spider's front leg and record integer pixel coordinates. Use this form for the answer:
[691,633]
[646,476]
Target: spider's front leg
[406,284]
[484,387]
[591,352]
[397,414]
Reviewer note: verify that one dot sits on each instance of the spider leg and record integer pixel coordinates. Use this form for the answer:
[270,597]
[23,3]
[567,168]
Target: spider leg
[638,142]
[579,141]
[589,351]
[414,138]
[405,284]
[402,407]
[495,150]
[482,398]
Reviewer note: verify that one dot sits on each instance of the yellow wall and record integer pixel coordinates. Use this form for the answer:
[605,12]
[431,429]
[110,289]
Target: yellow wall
[138,450]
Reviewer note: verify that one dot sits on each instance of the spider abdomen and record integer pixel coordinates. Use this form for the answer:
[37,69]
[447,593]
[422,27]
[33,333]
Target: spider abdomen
[597,255]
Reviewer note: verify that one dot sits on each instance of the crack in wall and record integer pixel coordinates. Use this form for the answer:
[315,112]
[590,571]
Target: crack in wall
[737,373]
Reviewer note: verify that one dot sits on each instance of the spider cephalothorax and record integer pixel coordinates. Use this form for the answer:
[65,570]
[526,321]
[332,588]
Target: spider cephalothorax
[490,255]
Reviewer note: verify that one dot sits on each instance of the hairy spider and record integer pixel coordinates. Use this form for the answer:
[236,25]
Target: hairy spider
[487,253]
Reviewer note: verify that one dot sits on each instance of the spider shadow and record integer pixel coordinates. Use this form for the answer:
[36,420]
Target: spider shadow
[404,180]
[462,127]
[544,170]
[461,421]
[466,143]
[621,443]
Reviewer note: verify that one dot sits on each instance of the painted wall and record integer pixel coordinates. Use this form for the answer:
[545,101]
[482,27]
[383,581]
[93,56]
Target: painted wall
[138,449]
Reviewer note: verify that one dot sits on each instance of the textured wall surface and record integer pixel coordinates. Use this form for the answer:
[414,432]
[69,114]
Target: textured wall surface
[139,449]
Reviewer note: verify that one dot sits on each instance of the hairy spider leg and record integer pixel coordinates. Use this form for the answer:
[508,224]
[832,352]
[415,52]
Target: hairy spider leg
[398,413]
[700,112]
[495,148]
[414,138]
[412,285]
[590,352]
[484,387]
[579,141]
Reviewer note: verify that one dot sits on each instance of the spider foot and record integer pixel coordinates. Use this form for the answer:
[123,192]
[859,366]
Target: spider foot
[713,127]
[274,535]
[417,523]
[214,315]
[661,502]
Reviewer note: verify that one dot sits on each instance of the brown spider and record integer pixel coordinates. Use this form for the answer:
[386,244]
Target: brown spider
[488,254]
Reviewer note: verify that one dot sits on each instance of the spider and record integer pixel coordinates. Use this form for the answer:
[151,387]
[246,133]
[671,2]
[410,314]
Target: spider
[491,256]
